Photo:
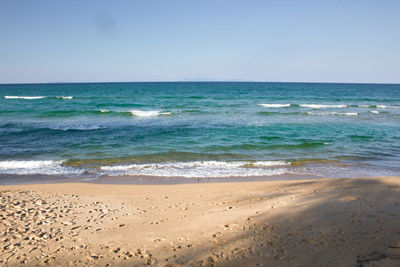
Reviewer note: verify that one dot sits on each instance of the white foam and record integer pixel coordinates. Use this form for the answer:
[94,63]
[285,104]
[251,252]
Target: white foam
[333,113]
[148,113]
[346,113]
[317,106]
[80,127]
[383,106]
[377,106]
[104,110]
[64,97]
[274,105]
[374,111]
[23,97]
[47,167]
[199,169]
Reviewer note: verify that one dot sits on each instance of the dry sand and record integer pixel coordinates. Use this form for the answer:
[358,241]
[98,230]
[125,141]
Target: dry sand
[328,222]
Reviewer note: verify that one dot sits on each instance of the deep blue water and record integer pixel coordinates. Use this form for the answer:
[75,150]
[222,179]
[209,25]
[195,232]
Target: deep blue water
[206,129]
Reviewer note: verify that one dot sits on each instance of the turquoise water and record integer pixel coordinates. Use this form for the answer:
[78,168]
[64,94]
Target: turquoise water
[210,129]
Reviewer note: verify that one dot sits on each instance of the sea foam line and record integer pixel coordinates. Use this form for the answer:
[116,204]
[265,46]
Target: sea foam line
[23,97]
[64,97]
[321,106]
[315,106]
[148,113]
[377,106]
[318,106]
[29,167]
[274,105]
[138,113]
[199,169]
[384,106]
[333,113]
[169,169]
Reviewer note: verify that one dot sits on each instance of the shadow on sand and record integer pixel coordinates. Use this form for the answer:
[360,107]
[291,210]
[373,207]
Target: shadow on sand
[339,222]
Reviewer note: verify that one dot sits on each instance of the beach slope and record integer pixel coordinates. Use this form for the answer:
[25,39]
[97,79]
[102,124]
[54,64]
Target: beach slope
[327,222]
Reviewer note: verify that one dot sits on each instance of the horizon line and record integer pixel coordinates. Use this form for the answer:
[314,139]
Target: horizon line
[200,81]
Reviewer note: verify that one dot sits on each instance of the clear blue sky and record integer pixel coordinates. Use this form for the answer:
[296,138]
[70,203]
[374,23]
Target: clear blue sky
[320,41]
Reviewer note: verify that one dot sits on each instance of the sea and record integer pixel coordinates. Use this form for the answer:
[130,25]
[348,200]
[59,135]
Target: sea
[198,130]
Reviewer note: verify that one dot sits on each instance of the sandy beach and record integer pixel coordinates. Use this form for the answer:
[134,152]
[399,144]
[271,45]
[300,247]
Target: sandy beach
[327,222]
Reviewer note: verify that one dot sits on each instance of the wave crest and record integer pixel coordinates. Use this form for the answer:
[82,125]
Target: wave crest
[23,97]
[333,113]
[319,106]
[274,105]
[199,169]
[29,167]
[148,113]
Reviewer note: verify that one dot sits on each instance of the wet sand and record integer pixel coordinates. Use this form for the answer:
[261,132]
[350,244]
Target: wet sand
[324,222]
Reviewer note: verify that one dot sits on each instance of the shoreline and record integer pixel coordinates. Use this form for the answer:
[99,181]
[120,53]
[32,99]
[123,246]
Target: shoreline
[309,222]
[10,180]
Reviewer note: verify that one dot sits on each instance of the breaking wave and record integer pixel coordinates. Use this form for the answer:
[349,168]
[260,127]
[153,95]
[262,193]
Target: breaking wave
[29,167]
[23,97]
[148,113]
[317,106]
[274,105]
[199,169]
[333,113]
